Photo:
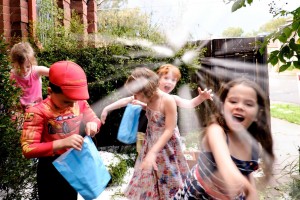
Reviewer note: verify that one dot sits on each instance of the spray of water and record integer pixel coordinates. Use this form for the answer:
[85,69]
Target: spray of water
[220,69]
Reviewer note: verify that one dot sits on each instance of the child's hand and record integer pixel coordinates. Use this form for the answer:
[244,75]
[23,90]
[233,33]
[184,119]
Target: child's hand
[103,116]
[73,141]
[91,128]
[205,94]
[137,102]
[251,193]
[149,162]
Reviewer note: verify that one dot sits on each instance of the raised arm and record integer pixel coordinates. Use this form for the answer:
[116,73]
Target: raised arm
[235,181]
[116,105]
[192,103]
[42,70]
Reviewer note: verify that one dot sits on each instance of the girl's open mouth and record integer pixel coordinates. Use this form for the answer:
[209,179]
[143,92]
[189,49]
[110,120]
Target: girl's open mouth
[238,118]
[167,88]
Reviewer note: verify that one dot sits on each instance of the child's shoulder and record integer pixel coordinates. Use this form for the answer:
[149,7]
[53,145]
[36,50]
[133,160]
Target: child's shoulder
[215,129]
[168,97]
[12,71]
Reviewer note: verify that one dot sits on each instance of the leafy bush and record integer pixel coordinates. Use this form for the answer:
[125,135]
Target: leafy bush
[51,31]
[295,189]
[17,175]
[131,23]
[118,171]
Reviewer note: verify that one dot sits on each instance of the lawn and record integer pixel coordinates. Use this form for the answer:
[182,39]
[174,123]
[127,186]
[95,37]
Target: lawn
[288,112]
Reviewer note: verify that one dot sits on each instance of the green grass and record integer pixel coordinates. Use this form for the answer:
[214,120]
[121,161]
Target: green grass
[288,112]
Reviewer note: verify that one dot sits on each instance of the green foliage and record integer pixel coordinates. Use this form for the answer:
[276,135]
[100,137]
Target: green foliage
[51,31]
[104,69]
[288,112]
[269,27]
[17,174]
[233,32]
[237,4]
[289,52]
[119,170]
[295,189]
[289,36]
[273,25]
[127,24]
[107,68]
[125,161]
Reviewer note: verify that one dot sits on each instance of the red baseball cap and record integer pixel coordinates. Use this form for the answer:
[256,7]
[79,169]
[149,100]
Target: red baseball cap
[71,78]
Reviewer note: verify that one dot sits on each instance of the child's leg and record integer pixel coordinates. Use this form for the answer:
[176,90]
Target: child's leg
[139,141]
[51,184]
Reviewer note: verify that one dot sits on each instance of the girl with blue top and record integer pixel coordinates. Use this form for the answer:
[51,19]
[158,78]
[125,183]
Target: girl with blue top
[230,146]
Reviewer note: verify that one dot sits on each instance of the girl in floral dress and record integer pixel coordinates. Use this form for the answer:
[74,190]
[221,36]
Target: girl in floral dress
[161,168]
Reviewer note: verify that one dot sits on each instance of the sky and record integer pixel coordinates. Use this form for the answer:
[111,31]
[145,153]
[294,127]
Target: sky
[205,19]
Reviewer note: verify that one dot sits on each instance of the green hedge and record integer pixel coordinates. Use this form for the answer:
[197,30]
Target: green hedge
[17,174]
[107,68]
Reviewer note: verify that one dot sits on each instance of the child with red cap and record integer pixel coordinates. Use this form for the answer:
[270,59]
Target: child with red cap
[54,125]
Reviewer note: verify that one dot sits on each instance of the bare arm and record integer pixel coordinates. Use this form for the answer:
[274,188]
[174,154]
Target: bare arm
[192,103]
[252,195]
[235,181]
[170,124]
[137,102]
[116,105]
[42,70]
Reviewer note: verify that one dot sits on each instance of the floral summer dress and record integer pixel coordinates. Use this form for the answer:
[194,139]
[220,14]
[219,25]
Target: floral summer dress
[172,166]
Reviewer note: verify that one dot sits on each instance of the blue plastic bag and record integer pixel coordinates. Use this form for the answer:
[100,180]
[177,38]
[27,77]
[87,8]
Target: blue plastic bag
[84,169]
[129,124]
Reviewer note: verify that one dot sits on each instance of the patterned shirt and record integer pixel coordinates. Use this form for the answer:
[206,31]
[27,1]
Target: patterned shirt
[45,123]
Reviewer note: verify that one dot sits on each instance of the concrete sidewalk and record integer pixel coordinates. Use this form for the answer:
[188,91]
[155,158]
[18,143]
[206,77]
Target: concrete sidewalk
[286,137]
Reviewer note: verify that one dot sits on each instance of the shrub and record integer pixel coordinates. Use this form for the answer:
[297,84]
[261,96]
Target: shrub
[17,175]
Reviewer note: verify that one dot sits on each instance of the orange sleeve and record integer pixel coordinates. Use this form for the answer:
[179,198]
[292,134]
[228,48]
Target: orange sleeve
[33,128]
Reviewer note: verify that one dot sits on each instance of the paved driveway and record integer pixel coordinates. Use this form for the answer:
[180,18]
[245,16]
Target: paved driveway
[284,87]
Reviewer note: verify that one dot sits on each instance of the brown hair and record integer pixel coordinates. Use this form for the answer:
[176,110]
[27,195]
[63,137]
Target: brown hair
[166,68]
[22,51]
[259,129]
[142,80]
